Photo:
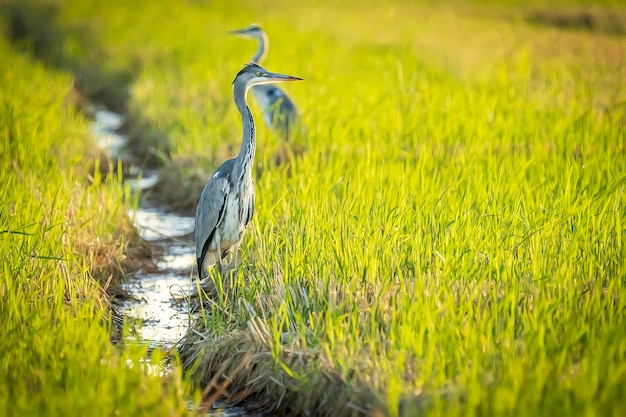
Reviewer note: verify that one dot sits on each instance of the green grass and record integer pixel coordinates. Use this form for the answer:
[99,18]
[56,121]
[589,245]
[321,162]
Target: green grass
[453,235]
[62,235]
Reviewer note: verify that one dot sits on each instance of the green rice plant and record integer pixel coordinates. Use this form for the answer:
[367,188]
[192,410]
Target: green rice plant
[62,229]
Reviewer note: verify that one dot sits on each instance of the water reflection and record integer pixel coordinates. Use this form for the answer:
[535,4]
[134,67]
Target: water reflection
[163,319]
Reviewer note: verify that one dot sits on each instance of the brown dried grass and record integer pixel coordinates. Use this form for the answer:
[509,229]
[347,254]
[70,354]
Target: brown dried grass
[240,369]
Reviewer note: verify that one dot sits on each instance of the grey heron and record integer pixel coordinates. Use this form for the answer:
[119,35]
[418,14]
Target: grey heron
[226,204]
[279,111]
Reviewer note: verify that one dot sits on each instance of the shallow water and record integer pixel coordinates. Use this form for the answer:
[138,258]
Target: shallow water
[163,320]
[154,224]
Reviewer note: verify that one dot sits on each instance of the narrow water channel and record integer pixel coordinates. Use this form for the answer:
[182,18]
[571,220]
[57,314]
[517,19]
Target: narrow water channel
[163,320]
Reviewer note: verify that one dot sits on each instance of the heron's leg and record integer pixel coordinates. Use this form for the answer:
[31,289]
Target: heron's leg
[218,249]
[233,263]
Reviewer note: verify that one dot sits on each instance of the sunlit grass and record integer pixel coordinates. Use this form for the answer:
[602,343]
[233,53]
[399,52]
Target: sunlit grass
[454,232]
[61,233]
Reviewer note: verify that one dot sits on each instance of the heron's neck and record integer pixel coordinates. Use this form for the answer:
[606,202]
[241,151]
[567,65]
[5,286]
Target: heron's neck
[248,141]
[261,53]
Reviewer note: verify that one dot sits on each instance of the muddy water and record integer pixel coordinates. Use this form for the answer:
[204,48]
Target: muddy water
[162,320]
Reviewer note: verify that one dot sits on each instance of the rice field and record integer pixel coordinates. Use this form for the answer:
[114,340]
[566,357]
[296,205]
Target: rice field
[446,236]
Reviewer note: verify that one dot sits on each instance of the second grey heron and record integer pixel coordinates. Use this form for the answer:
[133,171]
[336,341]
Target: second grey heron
[226,204]
[279,111]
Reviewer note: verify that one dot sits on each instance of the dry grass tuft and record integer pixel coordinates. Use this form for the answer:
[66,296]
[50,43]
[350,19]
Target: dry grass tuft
[241,369]
[110,254]
[112,261]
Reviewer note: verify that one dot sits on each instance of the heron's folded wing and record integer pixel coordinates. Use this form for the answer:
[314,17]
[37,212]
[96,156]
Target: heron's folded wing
[209,212]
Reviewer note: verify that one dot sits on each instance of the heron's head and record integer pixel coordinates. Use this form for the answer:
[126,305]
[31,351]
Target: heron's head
[250,31]
[252,74]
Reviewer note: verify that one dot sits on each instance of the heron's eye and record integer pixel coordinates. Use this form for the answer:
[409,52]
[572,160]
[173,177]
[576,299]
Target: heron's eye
[258,73]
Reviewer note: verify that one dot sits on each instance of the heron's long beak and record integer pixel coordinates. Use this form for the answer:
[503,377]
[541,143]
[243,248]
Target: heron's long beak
[238,32]
[276,77]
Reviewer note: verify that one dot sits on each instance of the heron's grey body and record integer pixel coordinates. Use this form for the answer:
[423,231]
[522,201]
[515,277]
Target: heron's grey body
[279,110]
[226,205]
